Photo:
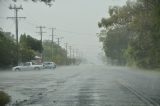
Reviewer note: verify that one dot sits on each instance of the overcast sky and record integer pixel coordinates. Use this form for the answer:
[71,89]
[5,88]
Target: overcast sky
[75,20]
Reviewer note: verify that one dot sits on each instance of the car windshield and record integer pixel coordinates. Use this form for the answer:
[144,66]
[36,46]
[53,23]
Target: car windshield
[80,52]
[47,63]
[26,64]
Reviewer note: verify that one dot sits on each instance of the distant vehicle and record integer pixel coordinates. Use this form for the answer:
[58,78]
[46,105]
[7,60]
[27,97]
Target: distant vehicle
[27,66]
[49,65]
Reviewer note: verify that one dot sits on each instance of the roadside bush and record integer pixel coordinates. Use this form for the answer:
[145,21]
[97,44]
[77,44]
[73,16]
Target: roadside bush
[4,98]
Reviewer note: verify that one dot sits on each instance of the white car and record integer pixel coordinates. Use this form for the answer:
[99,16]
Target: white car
[49,65]
[27,66]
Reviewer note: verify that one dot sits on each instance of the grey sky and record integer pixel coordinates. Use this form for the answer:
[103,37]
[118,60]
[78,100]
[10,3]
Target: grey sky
[75,20]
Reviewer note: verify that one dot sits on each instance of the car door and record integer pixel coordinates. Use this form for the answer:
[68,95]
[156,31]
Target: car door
[26,66]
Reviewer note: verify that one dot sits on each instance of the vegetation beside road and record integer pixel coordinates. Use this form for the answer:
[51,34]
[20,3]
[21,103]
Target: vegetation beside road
[8,50]
[57,54]
[4,98]
[132,34]
[28,48]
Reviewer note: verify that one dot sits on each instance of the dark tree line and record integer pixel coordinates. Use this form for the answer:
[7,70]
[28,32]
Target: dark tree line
[133,34]
[58,54]
[7,50]
[29,47]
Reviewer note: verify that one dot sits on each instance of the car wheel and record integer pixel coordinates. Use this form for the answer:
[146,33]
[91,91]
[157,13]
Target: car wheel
[17,69]
[37,68]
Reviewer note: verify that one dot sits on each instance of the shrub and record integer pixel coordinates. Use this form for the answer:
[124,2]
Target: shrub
[4,98]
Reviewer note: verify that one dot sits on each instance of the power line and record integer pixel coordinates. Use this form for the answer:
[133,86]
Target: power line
[72,32]
[34,25]
[60,29]
[32,19]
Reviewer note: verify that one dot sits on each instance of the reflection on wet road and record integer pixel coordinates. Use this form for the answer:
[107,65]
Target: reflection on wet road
[86,85]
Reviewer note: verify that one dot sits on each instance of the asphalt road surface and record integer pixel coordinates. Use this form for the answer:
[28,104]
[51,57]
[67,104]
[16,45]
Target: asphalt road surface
[84,85]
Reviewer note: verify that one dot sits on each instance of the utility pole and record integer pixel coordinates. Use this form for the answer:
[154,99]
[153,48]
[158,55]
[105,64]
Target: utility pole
[77,57]
[58,40]
[53,29]
[70,52]
[15,8]
[73,55]
[41,34]
[57,48]
[66,45]
[77,53]
[52,41]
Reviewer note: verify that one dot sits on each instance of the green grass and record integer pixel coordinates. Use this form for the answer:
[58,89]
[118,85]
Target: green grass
[4,98]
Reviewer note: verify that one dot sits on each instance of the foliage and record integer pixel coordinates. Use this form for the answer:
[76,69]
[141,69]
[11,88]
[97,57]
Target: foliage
[139,25]
[4,98]
[28,47]
[8,50]
[45,1]
[115,45]
[30,42]
[59,54]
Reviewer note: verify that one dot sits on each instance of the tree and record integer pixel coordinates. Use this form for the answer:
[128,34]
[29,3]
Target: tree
[48,2]
[115,44]
[118,34]
[141,19]
[59,54]
[8,50]
[143,49]
[28,47]
[30,42]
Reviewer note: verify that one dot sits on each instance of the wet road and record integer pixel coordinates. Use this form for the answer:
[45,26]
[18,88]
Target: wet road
[85,85]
